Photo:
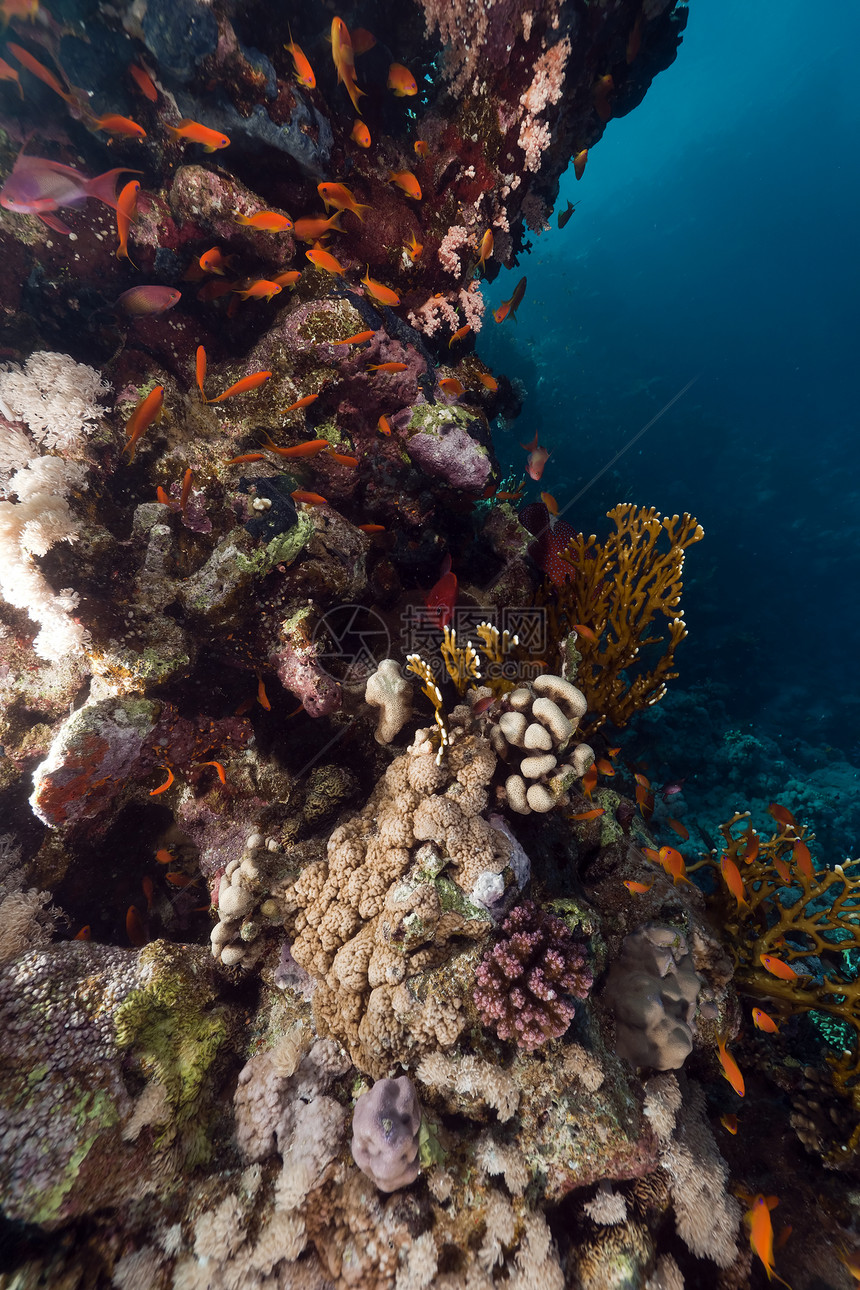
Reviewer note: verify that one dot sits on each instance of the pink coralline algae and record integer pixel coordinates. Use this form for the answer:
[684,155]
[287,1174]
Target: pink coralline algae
[521,981]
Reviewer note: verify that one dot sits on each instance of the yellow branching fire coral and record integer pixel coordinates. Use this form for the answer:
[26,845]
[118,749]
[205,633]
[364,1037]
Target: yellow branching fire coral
[617,590]
[805,918]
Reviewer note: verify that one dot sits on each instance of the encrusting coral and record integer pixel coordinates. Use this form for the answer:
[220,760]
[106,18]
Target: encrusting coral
[616,589]
[653,987]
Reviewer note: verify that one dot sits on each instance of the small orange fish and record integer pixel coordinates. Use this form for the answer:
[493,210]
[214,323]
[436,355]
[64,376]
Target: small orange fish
[406,182]
[262,289]
[613,752]
[731,1070]
[200,370]
[308,449]
[262,697]
[180,880]
[360,134]
[413,249]
[8,73]
[673,862]
[401,81]
[149,409]
[84,934]
[585,632]
[194,132]
[222,774]
[803,859]
[488,381]
[602,97]
[362,40]
[751,849]
[343,459]
[304,402]
[245,456]
[486,248]
[24,9]
[733,880]
[508,308]
[593,814]
[288,279]
[681,829]
[380,293]
[252,382]
[163,856]
[782,869]
[304,71]
[185,491]
[309,499]
[144,82]
[371,528]
[589,780]
[579,163]
[638,888]
[37,69]
[388,367]
[266,221]
[162,788]
[452,387]
[357,339]
[214,261]
[761,1235]
[762,1021]
[550,503]
[120,125]
[215,287]
[324,260]
[313,227]
[642,780]
[460,334]
[782,814]
[729,1123]
[340,197]
[126,206]
[344,60]
[777,968]
[134,927]
[420,147]
[382,426]
[148,890]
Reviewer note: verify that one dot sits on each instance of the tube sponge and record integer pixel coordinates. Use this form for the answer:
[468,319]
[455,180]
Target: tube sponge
[385,1133]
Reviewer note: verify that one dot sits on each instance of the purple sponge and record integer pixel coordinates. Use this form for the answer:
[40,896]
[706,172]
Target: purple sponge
[385,1133]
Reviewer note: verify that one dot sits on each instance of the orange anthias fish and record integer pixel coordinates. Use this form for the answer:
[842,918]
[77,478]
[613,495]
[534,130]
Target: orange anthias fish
[37,69]
[406,182]
[360,134]
[673,862]
[401,81]
[602,97]
[163,856]
[488,381]
[134,927]
[731,1070]
[252,382]
[308,449]
[222,774]
[777,968]
[782,814]
[413,249]
[262,289]
[751,849]
[638,888]
[120,125]
[304,71]
[588,783]
[486,248]
[8,73]
[762,1021]
[344,60]
[287,279]
[266,221]
[185,491]
[23,9]
[452,387]
[149,409]
[550,503]
[442,596]
[605,767]
[362,40]
[387,367]
[729,1123]
[357,339]
[162,788]
[579,163]
[339,197]
[126,207]
[312,228]
[262,697]
[200,370]
[214,261]
[420,147]
[538,457]
[382,426]
[309,499]
[593,814]
[782,869]
[144,82]
[508,308]
[194,132]
[148,891]
[460,334]
[803,859]
[371,528]
[85,934]
[761,1235]
[321,258]
[343,459]
[304,402]
[733,880]
[379,292]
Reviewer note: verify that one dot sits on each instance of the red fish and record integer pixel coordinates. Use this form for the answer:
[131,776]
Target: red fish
[442,596]
[119,125]
[486,248]
[262,289]
[379,292]
[252,382]
[669,790]
[200,370]
[733,880]
[777,968]
[126,208]
[382,426]
[84,934]
[309,499]
[143,301]
[215,261]
[731,1070]
[163,856]
[322,259]
[343,459]
[344,60]
[162,788]
[508,308]
[593,814]
[148,891]
[729,1123]
[134,927]
[185,491]
[803,859]
[357,339]
[194,132]
[371,528]
[638,888]
[460,334]
[605,767]
[387,367]
[579,163]
[8,73]
[304,402]
[751,849]
[37,187]
[420,147]
[406,182]
[761,1234]
[262,697]
[267,221]
[144,82]
[537,459]
[307,449]
[360,134]
[149,409]
[680,829]
[37,69]
[452,387]
[673,862]
[340,197]
[602,97]
[222,774]
[488,381]
[401,81]
[550,503]
[312,228]
[782,814]
[304,71]
[588,783]
[762,1021]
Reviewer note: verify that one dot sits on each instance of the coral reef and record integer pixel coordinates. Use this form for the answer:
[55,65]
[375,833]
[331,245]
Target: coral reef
[653,987]
[385,1133]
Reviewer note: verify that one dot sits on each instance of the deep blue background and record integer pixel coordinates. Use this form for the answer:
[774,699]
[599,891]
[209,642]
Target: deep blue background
[717,238]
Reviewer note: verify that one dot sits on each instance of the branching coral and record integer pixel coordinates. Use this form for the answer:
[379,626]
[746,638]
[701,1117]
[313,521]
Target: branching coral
[617,589]
[521,981]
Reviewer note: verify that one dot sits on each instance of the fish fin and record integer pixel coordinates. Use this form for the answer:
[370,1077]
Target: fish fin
[54,222]
[103,187]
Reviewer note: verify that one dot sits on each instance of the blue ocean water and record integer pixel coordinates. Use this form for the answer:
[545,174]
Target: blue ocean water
[716,242]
